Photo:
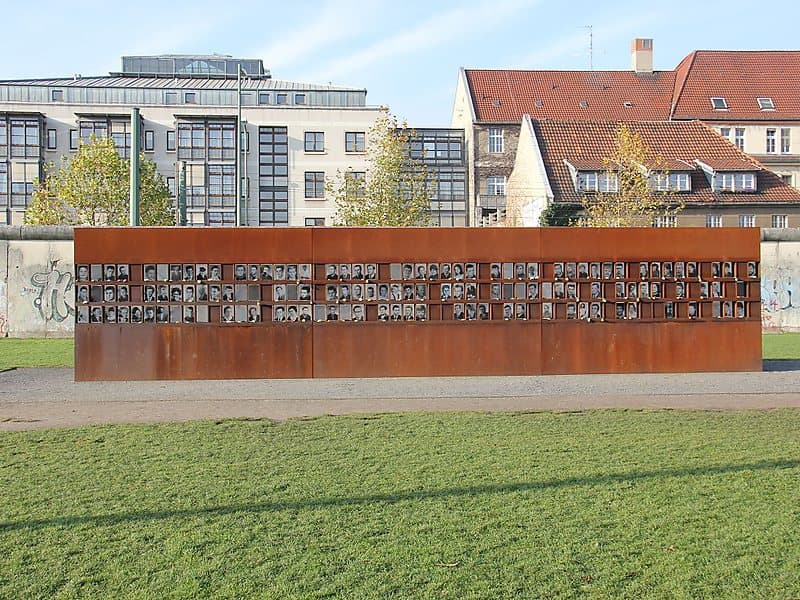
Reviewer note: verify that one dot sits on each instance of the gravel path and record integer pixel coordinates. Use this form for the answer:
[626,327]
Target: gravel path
[37,398]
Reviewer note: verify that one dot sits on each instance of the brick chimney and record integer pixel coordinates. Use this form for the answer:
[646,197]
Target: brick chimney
[642,55]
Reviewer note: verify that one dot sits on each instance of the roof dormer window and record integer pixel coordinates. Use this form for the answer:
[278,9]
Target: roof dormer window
[766,104]
[719,104]
[596,181]
[538,104]
[735,182]
[584,104]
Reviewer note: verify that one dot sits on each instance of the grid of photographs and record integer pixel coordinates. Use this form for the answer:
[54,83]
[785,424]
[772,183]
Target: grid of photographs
[415,291]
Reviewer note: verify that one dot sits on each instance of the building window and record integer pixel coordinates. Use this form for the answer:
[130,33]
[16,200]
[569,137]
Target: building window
[747,220]
[315,141]
[719,104]
[149,140]
[57,95]
[315,184]
[221,186]
[675,182]
[665,221]
[354,182]
[21,192]
[725,132]
[281,98]
[191,141]
[263,97]
[354,141]
[221,140]
[171,140]
[52,139]
[766,104]
[25,141]
[786,140]
[171,186]
[770,141]
[713,220]
[3,140]
[73,139]
[787,178]
[781,221]
[496,144]
[273,179]
[190,97]
[739,138]
[170,97]
[299,98]
[221,218]
[597,181]
[736,182]
[3,184]
[496,185]
[315,221]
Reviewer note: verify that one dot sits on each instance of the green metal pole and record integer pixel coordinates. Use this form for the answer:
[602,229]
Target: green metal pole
[182,196]
[135,195]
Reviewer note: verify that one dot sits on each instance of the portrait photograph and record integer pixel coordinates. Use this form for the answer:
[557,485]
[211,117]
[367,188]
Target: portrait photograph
[716,269]
[669,310]
[495,291]
[608,270]
[421,271]
[596,290]
[741,309]
[572,290]
[291,273]
[620,310]
[495,271]
[558,290]
[175,314]
[201,271]
[188,314]
[149,273]
[633,289]
[619,289]
[680,270]
[188,272]
[458,291]
[214,293]
[202,292]
[458,312]
[305,313]
[110,273]
[345,312]
[240,272]
[304,272]
[667,270]
[680,290]
[471,271]
[331,271]
[471,312]
[109,294]
[408,312]
[619,270]
[279,292]
[110,314]
[136,314]
[547,311]
[594,270]
[162,314]
[383,312]
[422,291]
[508,311]
[175,293]
[188,293]
[344,293]
[547,289]
[533,291]
[123,273]
[359,314]
[215,272]
[572,270]
[471,291]
[149,314]
[279,272]
[521,312]
[583,311]
[332,312]
[82,294]
[201,313]
[123,293]
[655,270]
[533,270]
[704,289]
[96,315]
[396,313]
[572,311]
[240,310]
[344,272]
[82,273]
[408,271]
[446,271]
[227,293]
[292,314]
[371,272]
[253,273]
[727,269]
[558,270]
[520,271]
[716,289]
[279,314]
[644,290]
[383,292]
[421,312]
[408,291]
[595,312]
[331,292]
[433,272]
[458,271]
[371,292]
[396,291]
[175,272]
[395,271]
[727,309]
[633,310]
[655,290]
[124,314]
[357,292]
[752,270]
[583,270]
[357,272]
[693,310]
[266,273]
[483,312]
[520,291]
[445,292]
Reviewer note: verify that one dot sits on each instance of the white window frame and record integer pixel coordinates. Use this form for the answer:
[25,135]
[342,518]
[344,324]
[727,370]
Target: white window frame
[738,137]
[737,182]
[675,182]
[496,185]
[718,103]
[597,181]
[747,220]
[713,220]
[770,140]
[780,221]
[496,141]
[765,103]
[725,132]
[665,221]
[786,140]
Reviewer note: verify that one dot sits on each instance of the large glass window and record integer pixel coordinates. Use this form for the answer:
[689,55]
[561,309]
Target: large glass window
[738,137]
[780,221]
[273,175]
[770,141]
[676,182]
[87,129]
[3,139]
[314,141]
[747,220]
[4,184]
[25,138]
[496,143]
[713,220]
[222,185]
[736,182]
[786,140]
[354,141]
[665,221]
[496,185]
[315,184]
[597,181]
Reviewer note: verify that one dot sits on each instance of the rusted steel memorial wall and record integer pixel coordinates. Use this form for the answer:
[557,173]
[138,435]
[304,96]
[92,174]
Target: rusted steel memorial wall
[155,303]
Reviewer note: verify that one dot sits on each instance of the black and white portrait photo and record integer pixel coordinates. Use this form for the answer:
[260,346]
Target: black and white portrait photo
[332,313]
[558,290]
[110,273]
[408,312]
[82,273]
[495,291]
[305,314]
[331,293]
[619,290]
[123,293]
[188,293]
[82,294]
[291,273]
[110,314]
[421,271]
[558,270]
[123,273]
[227,293]
[357,292]
[175,293]
[149,273]
[446,271]
[471,291]
[202,272]
[278,313]
[202,292]
[421,312]
[358,313]
[594,270]
[655,290]
[572,290]
[162,314]
[644,290]
[458,291]
[520,312]
[408,271]
[655,270]
[292,314]
[483,312]
[396,312]
[727,309]
[633,289]
[633,310]
[471,312]
[458,271]
[547,311]
[752,270]
[421,292]
[109,293]
[596,290]
[583,270]
[572,311]
[149,314]
[680,290]
[519,271]
[667,270]
[175,272]
[433,272]
[371,292]
[608,270]
[383,312]
[253,273]
[408,291]
[371,272]
[458,312]
[740,309]
[471,271]
[215,272]
[279,272]
[680,270]
[716,289]
[533,291]
[396,291]
[96,315]
[304,272]
[533,270]
[331,271]
[344,293]
[240,272]
[344,272]
[727,269]
[583,311]
[595,312]
[123,314]
[572,270]
[494,271]
[508,311]
[692,310]
[358,273]
[716,269]
[188,314]
[188,272]
[136,314]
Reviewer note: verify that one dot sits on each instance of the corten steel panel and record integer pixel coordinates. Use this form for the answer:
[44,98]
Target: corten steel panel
[136,352]
[681,347]
[425,244]
[194,244]
[638,243]
[441,348]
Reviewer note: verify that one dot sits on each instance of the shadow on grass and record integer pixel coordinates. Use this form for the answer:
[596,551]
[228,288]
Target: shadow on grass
[277,506]
[781,364]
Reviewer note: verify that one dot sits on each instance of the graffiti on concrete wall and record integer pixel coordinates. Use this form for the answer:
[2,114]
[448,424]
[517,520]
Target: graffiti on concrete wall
[53,296]
[780,303]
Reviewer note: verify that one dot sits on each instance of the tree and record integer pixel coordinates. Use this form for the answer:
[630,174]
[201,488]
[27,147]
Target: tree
[91,187]
[394,191]
[559,214]
[635,203]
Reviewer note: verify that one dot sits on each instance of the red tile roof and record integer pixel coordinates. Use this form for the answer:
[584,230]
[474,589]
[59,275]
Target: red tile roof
[504,96]
[740,77]
[586,142]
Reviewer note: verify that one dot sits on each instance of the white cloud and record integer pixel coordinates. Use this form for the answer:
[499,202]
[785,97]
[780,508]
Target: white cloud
[436,31]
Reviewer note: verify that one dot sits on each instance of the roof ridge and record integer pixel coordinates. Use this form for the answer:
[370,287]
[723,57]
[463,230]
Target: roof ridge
[677,90]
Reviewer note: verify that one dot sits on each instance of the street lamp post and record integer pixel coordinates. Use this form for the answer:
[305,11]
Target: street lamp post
[238,186]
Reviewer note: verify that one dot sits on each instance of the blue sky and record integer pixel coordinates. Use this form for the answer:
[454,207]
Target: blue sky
[406,53]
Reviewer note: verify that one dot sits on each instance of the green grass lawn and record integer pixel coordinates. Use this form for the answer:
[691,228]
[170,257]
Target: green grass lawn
[602,504]
[59,352]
